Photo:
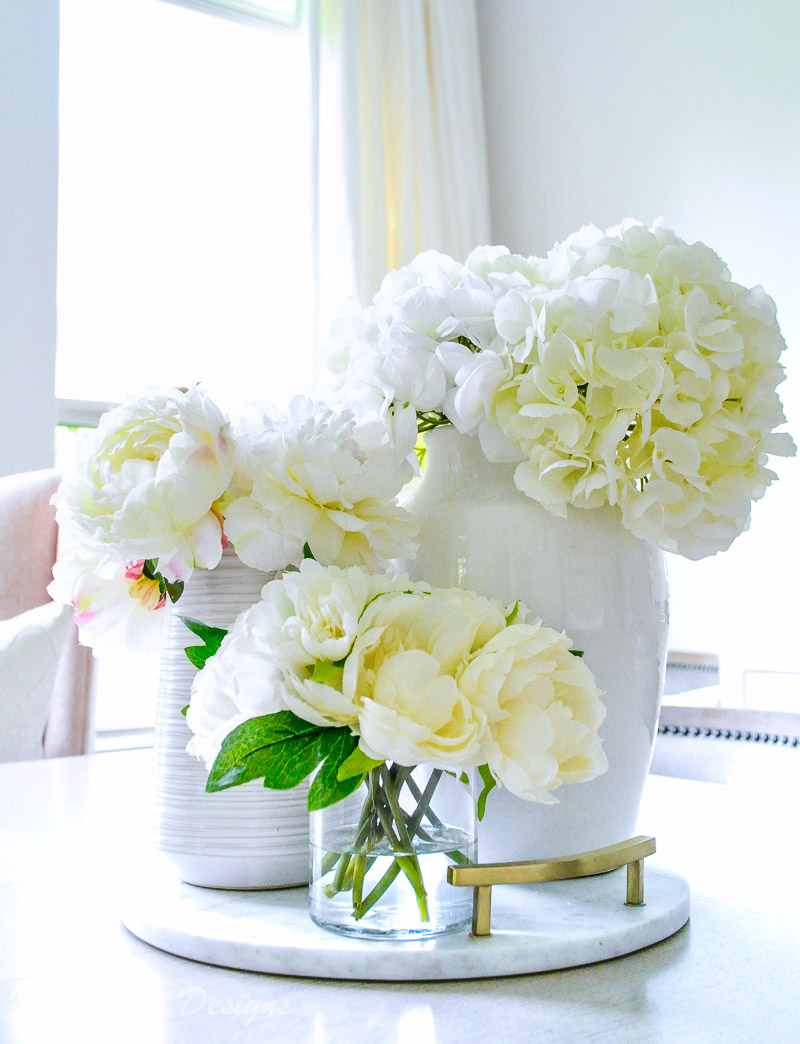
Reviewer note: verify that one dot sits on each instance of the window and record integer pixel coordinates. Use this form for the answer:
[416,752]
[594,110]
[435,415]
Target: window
[184,228]
[184,213]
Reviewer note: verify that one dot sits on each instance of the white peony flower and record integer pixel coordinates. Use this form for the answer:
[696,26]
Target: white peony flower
[320,478]
[402,674]
[421,676]
[416,715]
[150,482]
[542,707]
[268,660]
[326,605]
[115,605]
[241,681]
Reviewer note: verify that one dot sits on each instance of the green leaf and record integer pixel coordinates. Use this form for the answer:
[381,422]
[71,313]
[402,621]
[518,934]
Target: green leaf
[326,788]
[184,710]
[461,777]
[327,673]
[197,655]
[204,631]
[513,614]
[489,783]
[577,652]
[357,764]
[174,589]
[307,552]
[150,569]
[280,748]
[211,638]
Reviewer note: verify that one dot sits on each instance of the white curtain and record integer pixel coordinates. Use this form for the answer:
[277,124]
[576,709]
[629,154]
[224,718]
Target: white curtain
[399,138]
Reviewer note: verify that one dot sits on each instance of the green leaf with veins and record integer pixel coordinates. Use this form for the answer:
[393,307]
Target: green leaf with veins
[280,748]
[327,788]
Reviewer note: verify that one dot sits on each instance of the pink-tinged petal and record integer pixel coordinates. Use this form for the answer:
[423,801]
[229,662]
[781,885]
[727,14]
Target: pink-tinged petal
[133,570]
[176,567]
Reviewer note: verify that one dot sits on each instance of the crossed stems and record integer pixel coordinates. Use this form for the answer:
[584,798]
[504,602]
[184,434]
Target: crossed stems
[383,817]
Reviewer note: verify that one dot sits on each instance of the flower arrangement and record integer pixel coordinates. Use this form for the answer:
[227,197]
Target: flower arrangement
[624,368]
[167,482]
[362,677]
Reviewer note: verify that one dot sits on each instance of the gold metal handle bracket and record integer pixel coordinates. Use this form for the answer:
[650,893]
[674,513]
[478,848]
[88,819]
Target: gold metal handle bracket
[481,876]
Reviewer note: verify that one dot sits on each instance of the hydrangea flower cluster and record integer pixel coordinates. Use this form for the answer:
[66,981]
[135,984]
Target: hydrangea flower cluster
[624,369]
[439,677]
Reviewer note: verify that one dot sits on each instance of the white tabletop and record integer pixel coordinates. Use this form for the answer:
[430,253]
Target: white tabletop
[68,968]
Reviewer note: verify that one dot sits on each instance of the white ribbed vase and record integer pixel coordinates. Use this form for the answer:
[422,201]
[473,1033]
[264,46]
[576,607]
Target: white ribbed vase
[244,837]
[584,574]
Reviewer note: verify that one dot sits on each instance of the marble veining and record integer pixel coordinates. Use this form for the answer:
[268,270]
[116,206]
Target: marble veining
[535,928]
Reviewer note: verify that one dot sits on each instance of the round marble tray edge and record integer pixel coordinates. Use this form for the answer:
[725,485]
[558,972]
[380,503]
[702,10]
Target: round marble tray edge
[561,924]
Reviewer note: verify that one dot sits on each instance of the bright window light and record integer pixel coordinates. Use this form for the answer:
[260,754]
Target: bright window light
[184,231]
[184,224]
[282,12]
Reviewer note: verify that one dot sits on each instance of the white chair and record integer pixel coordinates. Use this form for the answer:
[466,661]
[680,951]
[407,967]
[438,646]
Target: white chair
[58,668]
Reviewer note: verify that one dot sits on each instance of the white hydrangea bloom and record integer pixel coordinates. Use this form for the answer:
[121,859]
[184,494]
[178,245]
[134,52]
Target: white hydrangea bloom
[576,365]
[411,351]
[646,379]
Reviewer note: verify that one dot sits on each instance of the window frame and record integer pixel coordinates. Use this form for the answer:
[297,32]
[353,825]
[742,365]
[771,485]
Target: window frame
[248,12]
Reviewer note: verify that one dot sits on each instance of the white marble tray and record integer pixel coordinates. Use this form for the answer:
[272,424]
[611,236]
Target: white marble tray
[534,928]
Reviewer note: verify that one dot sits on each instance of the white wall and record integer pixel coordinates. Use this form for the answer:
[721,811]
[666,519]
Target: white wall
[690,110]
[28,208]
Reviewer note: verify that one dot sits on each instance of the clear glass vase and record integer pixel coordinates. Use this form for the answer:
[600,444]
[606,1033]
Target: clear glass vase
[379,858]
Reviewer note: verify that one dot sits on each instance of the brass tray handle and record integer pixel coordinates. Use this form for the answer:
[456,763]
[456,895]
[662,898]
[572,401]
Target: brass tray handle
[481,876]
